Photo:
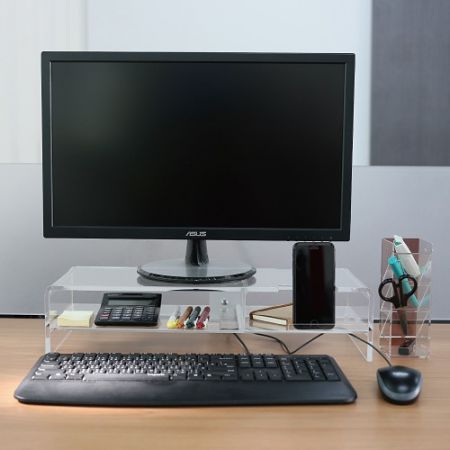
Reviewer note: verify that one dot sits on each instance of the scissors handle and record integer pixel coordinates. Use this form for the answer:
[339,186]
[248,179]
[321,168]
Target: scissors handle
[394,298]
[402,290]
[404,285]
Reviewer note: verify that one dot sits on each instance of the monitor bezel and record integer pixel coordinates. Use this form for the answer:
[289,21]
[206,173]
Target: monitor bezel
[301,234]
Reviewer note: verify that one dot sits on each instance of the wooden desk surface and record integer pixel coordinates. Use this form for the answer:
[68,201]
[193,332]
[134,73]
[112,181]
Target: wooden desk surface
[370,423]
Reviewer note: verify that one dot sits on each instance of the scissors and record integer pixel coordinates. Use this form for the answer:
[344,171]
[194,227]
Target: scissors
[402,291]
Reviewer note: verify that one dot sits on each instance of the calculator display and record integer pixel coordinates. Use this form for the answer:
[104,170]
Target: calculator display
[133,302]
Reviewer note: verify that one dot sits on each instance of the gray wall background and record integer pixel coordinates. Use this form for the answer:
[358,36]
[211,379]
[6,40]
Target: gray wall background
[410,201]
[410,82]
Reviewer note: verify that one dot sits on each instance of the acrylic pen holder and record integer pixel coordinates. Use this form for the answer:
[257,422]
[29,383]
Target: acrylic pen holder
[405,331]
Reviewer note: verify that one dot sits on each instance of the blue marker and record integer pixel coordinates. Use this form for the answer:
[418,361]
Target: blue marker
[398,272]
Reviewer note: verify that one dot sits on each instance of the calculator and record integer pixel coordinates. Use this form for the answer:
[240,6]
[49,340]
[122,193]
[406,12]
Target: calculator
[134,309]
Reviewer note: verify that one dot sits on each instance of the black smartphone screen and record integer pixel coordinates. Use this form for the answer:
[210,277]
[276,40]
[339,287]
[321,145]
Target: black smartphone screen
[313,285]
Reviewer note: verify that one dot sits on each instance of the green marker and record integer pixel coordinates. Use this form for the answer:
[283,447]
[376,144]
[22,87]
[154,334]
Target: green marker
[399,272]
[190,323]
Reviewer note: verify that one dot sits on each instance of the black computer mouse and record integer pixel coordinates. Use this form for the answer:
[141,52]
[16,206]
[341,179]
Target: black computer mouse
[399,384]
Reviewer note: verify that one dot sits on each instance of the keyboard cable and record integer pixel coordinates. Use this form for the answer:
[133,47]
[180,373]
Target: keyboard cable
[282,344]
[247,351]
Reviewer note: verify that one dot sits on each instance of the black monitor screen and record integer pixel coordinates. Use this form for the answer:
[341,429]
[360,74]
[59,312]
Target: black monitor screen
[197,145]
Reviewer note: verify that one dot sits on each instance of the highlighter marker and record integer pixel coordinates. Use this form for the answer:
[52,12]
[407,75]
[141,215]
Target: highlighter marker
[190,323]
[184,317]
[203,319]
[406,258]
[398,272]
[172,322]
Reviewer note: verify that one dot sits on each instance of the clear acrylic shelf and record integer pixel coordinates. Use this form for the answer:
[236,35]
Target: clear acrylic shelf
[415,318]
[82,288]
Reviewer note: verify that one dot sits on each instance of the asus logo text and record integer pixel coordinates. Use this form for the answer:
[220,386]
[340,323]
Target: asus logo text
[196,234]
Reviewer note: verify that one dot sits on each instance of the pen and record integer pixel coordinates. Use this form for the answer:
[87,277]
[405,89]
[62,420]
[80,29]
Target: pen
[190,323]
[406,257]
[172,322]
[203,319]
[398,272]
[184,317]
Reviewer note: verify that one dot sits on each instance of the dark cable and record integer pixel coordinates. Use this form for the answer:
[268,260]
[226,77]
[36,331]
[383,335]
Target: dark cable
[373,346]
[305,344]
[247,351]
[282,344]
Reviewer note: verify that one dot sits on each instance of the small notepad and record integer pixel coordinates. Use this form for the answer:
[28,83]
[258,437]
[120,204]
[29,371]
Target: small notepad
[278,314]
[75,319]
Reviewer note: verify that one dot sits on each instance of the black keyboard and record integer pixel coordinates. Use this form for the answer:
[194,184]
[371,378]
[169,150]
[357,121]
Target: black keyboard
[143,379]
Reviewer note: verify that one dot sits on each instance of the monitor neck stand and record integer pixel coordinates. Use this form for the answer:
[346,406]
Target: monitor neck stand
[196,268]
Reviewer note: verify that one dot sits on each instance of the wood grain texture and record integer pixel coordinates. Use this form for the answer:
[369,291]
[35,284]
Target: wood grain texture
[370,423]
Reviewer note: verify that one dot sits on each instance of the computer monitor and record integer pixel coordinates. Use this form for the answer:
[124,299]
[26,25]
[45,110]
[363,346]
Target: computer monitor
[196,146]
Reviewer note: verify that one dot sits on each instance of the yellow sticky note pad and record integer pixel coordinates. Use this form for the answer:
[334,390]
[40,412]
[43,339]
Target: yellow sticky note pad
[75,319]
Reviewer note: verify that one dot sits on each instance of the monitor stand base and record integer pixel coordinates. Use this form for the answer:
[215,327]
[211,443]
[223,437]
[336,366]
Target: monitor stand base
[177,271]
[196,268]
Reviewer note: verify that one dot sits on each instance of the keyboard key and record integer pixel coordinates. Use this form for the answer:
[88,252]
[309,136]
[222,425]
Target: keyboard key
[270,362]
[246,375]
[195,377]
[275,375]
[229,377]
[51,356]
[48,371]
[290,374]
[244,361]
[58,376]
[178,376]
[40,376]
[75,376]
[125,377]
[257,361]
[212,377]
[48,365]
[260,375]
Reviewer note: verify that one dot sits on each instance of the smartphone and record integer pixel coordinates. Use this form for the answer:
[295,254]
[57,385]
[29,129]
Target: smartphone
[313,280]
